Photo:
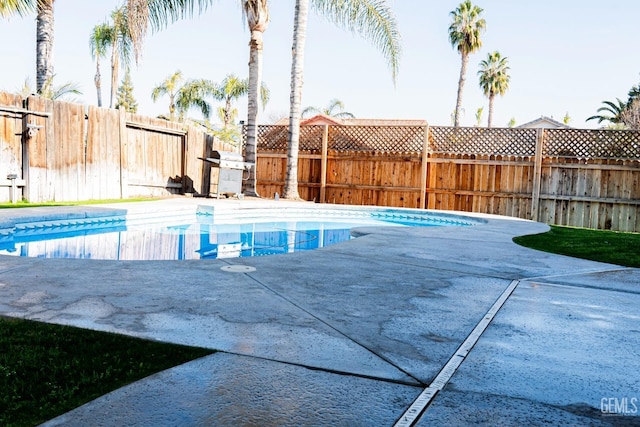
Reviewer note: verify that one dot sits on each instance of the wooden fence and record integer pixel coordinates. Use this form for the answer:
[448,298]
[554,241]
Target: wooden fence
[584,178]
[60,151]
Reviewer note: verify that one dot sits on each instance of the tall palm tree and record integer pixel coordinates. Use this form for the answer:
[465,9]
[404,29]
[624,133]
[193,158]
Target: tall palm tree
[334,109]
[615,111]
[169,86]
[494,79]
[295,98]
[99,42]
[464,35]
[256,14]
[372,19]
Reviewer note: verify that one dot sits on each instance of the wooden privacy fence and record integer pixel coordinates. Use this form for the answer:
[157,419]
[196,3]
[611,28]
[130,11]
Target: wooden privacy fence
[577,177]
[60,151]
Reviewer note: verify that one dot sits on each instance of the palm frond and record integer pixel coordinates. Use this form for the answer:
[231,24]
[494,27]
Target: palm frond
[18,7]
[372,19]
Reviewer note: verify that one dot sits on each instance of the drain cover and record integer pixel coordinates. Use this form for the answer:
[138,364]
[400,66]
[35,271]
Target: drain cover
[238,268]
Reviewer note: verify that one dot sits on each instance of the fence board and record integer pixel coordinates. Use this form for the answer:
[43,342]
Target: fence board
[10,145]
[39,184]
[103,180]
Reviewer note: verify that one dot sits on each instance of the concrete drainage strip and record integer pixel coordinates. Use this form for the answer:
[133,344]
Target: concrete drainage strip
[416,409]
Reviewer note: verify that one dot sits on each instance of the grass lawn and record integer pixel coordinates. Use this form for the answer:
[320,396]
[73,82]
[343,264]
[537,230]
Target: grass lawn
[596,245]
[47,370]
[24,204]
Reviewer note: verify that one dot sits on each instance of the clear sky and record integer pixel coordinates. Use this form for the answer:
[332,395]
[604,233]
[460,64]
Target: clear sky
[565,56]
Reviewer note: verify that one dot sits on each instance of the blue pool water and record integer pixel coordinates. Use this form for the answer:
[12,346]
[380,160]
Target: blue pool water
[203,234]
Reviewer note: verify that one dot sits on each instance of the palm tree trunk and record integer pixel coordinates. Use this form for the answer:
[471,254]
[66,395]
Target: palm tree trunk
[227,113]
[257,13]
[297,68]
[490,121]
[463,72]
[172,107]
[44,44]
[115,65]
[98,81]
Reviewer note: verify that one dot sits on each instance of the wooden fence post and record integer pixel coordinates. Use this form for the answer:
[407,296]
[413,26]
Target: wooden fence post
[424,168]
[323,164]
[26,165]
[537,176]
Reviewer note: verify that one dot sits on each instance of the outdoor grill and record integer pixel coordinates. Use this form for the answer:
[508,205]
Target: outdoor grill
[227,173]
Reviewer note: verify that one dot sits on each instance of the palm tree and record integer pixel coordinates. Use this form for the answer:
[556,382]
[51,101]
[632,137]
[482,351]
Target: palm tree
[464,35]
[49,91]
[183,97]
[372,19]
[169,87]
[256,14]
[494,79]
[193,94]
[99,42]
[334,109]
[121,46]
[615,111]
[230,89]
[297,65]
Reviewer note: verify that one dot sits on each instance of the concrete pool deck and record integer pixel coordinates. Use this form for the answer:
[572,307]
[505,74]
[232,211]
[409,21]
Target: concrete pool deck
[401,326]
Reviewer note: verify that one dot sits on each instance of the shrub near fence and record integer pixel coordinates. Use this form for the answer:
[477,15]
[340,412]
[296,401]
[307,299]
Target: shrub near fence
[63,151]
[584,178]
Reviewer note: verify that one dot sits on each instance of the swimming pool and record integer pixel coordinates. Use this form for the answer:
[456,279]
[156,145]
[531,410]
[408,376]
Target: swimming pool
[204,232]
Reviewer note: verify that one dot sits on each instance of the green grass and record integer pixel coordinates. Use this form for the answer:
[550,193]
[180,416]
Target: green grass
[47,370]
[25,204]
[596,245]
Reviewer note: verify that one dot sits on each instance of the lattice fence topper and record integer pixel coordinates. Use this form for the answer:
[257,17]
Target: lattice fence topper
[497,141]
[578,143]
[592,144]
[276,137]
[388,138]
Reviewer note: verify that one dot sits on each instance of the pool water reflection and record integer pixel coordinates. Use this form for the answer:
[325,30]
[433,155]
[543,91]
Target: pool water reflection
[197,239]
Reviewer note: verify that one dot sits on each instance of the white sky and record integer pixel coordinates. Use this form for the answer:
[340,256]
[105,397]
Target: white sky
[565,56]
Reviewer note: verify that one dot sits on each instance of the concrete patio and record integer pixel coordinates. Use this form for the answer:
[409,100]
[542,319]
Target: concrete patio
[401,326]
